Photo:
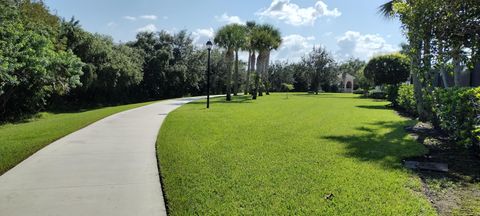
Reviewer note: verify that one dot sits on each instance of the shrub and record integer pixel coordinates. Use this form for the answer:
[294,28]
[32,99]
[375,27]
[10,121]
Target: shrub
[377,94]
[406,99]
[457,112]
[358,91]
[392,93]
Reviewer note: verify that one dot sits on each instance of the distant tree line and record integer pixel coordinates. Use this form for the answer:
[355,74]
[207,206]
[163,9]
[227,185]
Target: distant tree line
[316,71]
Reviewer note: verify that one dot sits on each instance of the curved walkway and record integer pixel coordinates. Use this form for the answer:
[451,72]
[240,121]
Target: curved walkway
[106,168]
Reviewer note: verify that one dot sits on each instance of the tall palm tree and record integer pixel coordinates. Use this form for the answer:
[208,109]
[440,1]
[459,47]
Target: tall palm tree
[276,41]
[248,46]
[265,38]
[229,37]
[239,40]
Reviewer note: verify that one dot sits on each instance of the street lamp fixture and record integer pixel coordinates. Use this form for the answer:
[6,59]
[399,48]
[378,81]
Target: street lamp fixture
[209,48]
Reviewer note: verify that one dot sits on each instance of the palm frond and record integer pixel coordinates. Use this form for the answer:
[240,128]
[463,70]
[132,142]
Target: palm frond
[386,10]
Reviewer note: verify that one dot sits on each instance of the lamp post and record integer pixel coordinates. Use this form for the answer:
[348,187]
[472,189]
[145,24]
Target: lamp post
[209,48]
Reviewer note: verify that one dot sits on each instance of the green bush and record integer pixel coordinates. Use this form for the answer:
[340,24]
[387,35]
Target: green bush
[358,91]
[392,93]
[377,94]
[406,99]
[457,112]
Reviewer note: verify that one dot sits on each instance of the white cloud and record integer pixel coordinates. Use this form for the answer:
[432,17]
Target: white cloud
[111,24]
[363,46]
[148,17]
[294,46]
[148,28]
[295,15]
[201,36]
[229,19]
[131,18]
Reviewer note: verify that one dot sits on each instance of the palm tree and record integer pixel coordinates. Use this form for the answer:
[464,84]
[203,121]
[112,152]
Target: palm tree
[276,41]
[251,53]
[230,37]
[265,38]
[387,9]
[239,40]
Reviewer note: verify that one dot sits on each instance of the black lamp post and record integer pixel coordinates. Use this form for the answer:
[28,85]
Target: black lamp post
[209,47]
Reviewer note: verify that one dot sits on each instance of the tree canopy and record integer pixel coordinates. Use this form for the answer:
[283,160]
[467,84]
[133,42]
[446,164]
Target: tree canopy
[388,69]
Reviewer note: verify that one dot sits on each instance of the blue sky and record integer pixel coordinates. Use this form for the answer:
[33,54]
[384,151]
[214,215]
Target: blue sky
[347,28]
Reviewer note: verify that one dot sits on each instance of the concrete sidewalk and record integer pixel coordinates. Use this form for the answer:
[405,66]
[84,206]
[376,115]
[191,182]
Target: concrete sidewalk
[107,168]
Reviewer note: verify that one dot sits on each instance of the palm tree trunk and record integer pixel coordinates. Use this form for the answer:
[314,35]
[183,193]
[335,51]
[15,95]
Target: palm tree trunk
[254,70]
[267,75]
[247,80]
[235,84]
[259,72]
[229,61]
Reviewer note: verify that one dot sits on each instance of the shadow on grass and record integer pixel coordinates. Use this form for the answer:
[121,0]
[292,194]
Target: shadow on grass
[376,107]
[327,95]
[388,149]
[221,100]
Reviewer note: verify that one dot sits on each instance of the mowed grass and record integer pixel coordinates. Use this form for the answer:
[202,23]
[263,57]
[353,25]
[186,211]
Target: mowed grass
[19,141]
[328,154]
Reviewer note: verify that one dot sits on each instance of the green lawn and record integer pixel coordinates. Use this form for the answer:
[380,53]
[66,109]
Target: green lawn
[19,141]
[278,156]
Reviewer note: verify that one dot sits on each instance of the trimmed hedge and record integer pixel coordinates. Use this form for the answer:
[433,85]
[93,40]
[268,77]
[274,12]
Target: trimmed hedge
[457,112]
[406,99]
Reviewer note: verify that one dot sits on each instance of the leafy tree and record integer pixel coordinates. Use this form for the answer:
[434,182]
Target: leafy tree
[319,64]
[362,81]
[388,69]
[452,28]
[31,68]
[352,67]
[279,73]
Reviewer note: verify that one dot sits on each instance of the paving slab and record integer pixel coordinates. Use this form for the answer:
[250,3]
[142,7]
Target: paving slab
[106,168]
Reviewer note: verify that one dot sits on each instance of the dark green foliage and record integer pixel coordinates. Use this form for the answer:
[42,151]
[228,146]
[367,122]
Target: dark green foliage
[280,73]
[388,69]
[31,66]
[457,111]
[172,67]
[377,94]
[359,91]
[48,61]
[406,99]
[392,93]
